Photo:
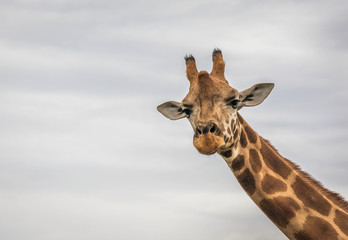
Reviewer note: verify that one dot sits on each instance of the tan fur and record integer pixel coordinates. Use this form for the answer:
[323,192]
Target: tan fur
[296,203]
[333,196]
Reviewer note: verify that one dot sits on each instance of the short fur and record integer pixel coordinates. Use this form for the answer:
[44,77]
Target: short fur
[332,196]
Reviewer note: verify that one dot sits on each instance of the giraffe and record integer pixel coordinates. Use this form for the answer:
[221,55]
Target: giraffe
[296,203]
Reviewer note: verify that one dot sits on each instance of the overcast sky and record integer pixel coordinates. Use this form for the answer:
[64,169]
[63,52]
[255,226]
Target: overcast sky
[85,155]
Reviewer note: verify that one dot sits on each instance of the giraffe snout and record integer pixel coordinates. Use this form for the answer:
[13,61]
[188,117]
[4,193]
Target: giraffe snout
[207,139]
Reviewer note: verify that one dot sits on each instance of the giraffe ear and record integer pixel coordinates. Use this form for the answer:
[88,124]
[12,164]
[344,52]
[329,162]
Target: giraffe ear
[255,95]
[171,110]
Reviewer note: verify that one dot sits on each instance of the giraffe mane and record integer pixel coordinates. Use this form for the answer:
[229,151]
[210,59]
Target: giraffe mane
[332,196]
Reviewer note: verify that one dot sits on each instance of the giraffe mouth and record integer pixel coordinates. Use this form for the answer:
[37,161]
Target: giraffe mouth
[208,144]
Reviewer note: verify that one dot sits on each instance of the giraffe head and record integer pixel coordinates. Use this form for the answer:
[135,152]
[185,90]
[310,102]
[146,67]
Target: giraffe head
[211,106]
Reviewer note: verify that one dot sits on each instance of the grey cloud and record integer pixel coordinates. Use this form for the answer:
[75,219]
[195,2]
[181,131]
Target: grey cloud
[85,154]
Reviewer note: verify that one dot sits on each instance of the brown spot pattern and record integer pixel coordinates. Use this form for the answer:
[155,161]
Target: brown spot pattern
[251,134]
[271,185]
[310,197]
[247,181]
[238,163]
[280,210]
[341,220]
[241,120]
[229,130]
[317,229]
[273,161]
[243,140]
[235,134]
[227,154]
[255,161]
[233,126]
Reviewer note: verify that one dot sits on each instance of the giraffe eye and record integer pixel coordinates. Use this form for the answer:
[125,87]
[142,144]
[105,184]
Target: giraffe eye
[234,103]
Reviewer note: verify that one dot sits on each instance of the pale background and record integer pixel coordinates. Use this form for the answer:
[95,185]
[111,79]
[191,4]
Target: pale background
[85,155]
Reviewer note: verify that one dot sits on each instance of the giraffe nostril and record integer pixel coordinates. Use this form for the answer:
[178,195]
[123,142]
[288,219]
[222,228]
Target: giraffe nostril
[204,129]
[213,129]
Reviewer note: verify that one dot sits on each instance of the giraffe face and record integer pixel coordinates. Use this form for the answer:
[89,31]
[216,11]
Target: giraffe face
[211,106]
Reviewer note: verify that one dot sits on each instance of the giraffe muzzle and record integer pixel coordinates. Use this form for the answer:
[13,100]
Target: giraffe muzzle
[207,139]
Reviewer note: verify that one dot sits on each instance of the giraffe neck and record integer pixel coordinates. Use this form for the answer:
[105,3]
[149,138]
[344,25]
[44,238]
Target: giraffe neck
[297,204]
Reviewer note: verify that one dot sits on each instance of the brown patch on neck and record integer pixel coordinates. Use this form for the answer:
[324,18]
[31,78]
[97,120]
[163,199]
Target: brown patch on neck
[280,209]
[240,119]
[252,136]
[332,196]
[284,167]
[274,161]
[316,228]
[271,185]
[238,163]
[341,219]
[254,159]
[227,154]
[310,197]
[247,181]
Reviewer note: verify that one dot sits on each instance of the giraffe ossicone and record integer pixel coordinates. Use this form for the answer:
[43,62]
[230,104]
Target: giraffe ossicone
[296,203]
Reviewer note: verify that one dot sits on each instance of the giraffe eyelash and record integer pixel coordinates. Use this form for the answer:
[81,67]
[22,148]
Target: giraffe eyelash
[234,103]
